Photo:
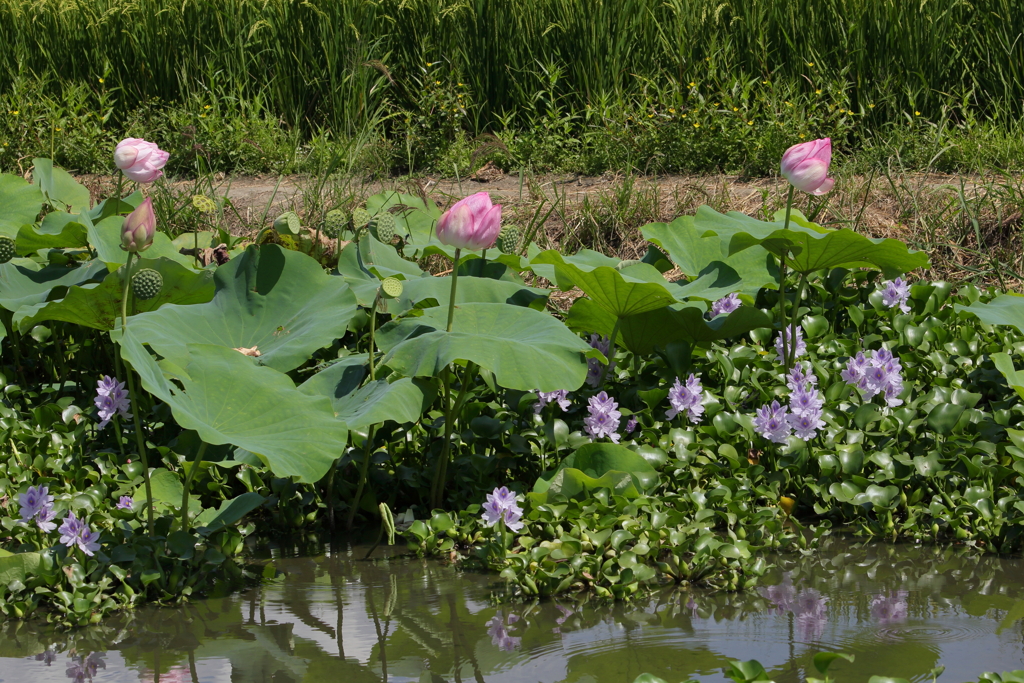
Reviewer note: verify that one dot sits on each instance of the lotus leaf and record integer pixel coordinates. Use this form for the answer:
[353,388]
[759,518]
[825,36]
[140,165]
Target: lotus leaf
[24,282]
[21,202]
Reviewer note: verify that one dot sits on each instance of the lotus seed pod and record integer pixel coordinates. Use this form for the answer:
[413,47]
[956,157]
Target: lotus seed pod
[360,219]
[334,223]
[8,249]
[385,227]
[203,204]
[288,222]
[146,284]
[508,240]
[391,287]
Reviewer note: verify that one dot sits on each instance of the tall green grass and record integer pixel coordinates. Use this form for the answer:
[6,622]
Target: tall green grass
[343,63]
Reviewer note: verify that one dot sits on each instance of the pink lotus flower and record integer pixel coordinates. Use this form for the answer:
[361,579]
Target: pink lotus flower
[805,166]
[472,223]
[139,228]
[140,160]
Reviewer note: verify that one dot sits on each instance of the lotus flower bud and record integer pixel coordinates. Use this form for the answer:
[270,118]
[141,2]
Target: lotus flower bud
[140,160]
[139,228]
[472,223]
[805,166]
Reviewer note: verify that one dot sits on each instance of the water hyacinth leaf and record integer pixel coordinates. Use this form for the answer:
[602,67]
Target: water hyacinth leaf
[105,238]
[823,660]
[99,305]
[24,282]
[620,294]
[1014,377]
[228,399]
[403,400]
[21,202]
[524,348]
[647,331]
[167,488]
[745,272]
[229,512]
[277,300]
[943,417]
[58,187]
[809,247]
[18,566]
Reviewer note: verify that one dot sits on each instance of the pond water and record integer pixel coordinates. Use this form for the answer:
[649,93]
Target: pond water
[901,610]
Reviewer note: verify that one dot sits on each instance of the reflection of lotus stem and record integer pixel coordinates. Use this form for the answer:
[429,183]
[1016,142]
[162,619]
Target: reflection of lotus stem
[611,351]
[140,438]
[188,484]
[782,282]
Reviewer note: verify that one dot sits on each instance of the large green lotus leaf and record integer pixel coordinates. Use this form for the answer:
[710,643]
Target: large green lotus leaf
[620,294]
[415,215]
[98,305]
[809,246]
[278,300]
[679,323]
[20,203]
[105,237]
[597,458]
[72,235]
[403,400]
[746,271]
[1014,377]
[364,264]
[59,188]
[24,282]
[229,512]
[571,483]
[598,465]
[18,566]
[229,399]
[584,259]
[1005,309]
[468,290]
[524,348]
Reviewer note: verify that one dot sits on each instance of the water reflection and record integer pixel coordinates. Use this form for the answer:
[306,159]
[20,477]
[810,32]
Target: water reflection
[901,610]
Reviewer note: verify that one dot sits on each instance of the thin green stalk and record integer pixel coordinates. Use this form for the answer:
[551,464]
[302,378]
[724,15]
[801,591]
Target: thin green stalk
[782,281]
[791,359]
[120,439]
[440,470]
[188,484]
[455,282]
[611,351]
[364,466]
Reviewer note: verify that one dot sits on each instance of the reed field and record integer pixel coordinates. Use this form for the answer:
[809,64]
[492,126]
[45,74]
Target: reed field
[586,85]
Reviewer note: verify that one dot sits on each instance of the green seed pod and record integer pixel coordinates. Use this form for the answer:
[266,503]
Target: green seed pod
[334,223]
[146,284]
[391,287]
[508,239]
[385,227]
[8,249]
[360,219]
[288,222]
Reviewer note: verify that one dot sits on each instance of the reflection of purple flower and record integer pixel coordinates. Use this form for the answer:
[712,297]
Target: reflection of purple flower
[890,607]
[81,669]
[809,607]
[594,367]
[125,503]
[801,345]
[604,417]
[545,397]
[566,613]
[111,399]
[772,422]
[499,632]
[76,531]
[686,398]
[727,304]
[895,293]
[47,656]
[501,504]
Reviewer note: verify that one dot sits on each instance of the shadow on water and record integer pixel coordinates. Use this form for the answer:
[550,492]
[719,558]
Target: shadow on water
[334,617]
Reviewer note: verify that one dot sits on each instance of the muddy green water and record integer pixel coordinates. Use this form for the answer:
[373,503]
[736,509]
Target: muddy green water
[335,617]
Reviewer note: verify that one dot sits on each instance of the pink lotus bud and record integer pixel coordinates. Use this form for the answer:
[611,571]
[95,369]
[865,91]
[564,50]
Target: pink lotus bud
[140,160]
[805,166]
[139,228]
[472,223]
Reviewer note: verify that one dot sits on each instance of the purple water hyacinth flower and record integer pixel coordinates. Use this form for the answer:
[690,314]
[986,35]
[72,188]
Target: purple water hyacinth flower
[604,417]
[799,376]
[631,425]
[805,402]
[44,519]
[890,607]
[111,399]
[772,422]
[801,345]
[805,426]
[895,293]
[497,629]
[855,369]
[545,397]
[594,367]
[727,304]
[879,374]
[76,531]
[125,503]
[34,501]
[501,505]
[686,398]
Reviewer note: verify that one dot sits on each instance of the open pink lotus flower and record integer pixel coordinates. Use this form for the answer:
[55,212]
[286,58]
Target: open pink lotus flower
[805,166]
[140,160]
[472,223]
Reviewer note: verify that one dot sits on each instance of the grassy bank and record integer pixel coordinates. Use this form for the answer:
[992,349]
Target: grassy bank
[569,85]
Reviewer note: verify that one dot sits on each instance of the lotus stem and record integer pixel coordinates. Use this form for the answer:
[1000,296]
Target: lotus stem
[796,313]
[364,467]
[442,460]
[188,484]
[782,281]
[455,282]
